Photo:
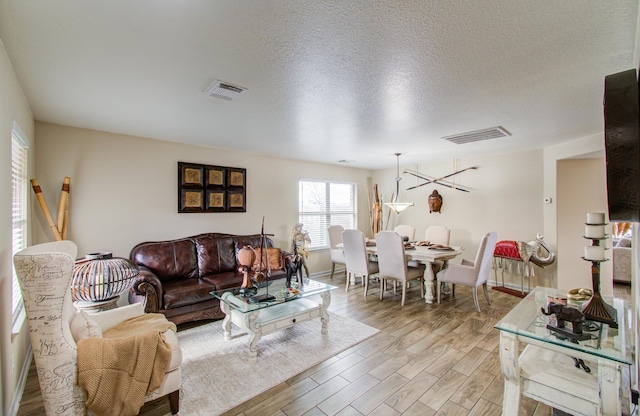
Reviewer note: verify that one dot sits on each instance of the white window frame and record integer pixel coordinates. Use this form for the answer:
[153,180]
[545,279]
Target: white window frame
[328,215]
[19,210]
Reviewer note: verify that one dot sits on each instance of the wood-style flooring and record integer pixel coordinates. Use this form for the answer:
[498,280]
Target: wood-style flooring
[426,360]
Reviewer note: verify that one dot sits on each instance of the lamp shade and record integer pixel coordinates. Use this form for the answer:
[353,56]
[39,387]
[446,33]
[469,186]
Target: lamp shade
[100,276]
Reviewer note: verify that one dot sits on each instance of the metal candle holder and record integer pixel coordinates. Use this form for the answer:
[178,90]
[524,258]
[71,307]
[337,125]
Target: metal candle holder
[596,309]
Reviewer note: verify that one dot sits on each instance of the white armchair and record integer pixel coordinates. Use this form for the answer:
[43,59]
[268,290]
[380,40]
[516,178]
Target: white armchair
[45,272]
[471,273]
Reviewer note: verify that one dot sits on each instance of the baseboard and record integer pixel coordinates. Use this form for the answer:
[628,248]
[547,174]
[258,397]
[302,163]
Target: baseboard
[22,382]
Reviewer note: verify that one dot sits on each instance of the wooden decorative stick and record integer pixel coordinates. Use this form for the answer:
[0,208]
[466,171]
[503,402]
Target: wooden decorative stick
[66,216]
[64,196]
[45,209]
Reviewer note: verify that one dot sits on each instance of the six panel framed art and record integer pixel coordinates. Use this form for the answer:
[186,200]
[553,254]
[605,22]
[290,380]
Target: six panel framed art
[208,188]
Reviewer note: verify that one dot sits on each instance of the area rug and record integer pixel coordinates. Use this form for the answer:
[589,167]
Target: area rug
[217,375]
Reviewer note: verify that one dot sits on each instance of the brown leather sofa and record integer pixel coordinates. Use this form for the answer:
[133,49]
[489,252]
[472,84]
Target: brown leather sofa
[177,276]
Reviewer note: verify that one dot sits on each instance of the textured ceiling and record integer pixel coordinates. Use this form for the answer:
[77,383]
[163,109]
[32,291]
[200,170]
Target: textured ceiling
[327,80]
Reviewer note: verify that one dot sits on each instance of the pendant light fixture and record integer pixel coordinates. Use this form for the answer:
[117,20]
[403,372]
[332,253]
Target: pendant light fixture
[395,203]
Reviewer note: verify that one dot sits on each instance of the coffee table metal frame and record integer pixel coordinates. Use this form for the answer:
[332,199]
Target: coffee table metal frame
[263,318]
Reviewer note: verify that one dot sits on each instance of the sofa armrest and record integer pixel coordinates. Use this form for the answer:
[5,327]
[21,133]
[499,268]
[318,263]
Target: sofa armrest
[110,318]
[147,288]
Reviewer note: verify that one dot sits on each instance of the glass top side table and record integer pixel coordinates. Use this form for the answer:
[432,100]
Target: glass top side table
[546,368]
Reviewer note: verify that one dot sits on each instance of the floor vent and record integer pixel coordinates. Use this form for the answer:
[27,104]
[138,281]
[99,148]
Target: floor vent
[478,135]
[224,90]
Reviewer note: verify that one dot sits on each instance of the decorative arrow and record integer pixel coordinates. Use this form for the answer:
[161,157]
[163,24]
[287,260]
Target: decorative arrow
[438,180]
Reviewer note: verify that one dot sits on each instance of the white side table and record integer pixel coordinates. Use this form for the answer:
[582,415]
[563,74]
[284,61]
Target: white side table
[545,370]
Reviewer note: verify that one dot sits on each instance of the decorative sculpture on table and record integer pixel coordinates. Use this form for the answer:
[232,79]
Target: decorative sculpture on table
[563,314]
[300,245]
[246,258]
[99,279]
[519,255]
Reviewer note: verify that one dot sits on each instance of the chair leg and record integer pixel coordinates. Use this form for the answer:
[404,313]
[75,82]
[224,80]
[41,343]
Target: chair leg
[366,285]
[439,289]
[421,282]
[486,293]
[383,285]
[475,298]
[333,269]
[348,274]
[174,402]
[404,293]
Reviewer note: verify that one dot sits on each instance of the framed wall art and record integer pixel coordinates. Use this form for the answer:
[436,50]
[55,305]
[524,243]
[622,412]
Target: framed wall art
[208,188]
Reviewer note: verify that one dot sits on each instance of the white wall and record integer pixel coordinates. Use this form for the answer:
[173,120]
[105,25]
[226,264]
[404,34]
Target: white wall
[13,106]
[124,190]
[581,188]
[506,196]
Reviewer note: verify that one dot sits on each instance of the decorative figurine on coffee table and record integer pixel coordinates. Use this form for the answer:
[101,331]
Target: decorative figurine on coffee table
[300,245]
[246,258]
[564,313]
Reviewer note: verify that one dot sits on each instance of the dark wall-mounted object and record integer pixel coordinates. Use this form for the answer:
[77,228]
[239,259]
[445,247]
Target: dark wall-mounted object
[207,188]
[622,145]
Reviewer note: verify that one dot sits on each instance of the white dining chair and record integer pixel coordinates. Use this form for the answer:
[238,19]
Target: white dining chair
[337,254]
[471,273]
[437,234]
[357,259]
[392,263]
[406,231]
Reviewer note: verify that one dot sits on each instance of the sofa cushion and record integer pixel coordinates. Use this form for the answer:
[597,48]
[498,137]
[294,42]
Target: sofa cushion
[186,292]
[82,326]
[224,280]
[169,260]
[216,253]
[274,257]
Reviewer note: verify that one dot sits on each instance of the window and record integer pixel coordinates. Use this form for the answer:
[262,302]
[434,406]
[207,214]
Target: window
[323,203]
[19,208]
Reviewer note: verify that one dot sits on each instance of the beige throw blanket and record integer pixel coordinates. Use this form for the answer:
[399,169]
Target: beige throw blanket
[119,369]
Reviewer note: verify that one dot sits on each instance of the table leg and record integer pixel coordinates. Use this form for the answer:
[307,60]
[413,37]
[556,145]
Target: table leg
[511,372]
[609,382]
[226,325]
[428,283]
[255,332]
[324,315]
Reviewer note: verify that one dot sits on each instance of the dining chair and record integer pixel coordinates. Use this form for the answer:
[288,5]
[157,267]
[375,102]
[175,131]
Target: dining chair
[337,254]
[357,259]
[471,273]
[406,231]
[437,234]
[392,263]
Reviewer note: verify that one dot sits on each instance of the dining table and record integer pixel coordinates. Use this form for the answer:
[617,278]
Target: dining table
[426,255]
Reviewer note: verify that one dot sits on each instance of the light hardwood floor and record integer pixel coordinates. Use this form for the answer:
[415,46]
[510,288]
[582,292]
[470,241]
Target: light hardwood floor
[426,360]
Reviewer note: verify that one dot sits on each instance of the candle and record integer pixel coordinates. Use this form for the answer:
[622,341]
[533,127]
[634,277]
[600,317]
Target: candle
[595,218]
[595,253]
[594,231]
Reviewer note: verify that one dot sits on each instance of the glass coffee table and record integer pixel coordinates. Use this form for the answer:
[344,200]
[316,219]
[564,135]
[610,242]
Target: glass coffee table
[273,307]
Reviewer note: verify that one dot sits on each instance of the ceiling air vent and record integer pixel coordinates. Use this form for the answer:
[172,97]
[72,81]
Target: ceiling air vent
[478,135]
[224,90]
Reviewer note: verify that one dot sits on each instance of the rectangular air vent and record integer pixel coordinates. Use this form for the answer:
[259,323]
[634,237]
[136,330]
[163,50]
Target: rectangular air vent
[224,90]
[478,135]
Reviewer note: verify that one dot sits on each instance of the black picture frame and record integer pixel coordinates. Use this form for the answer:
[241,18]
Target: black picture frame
[211,188]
